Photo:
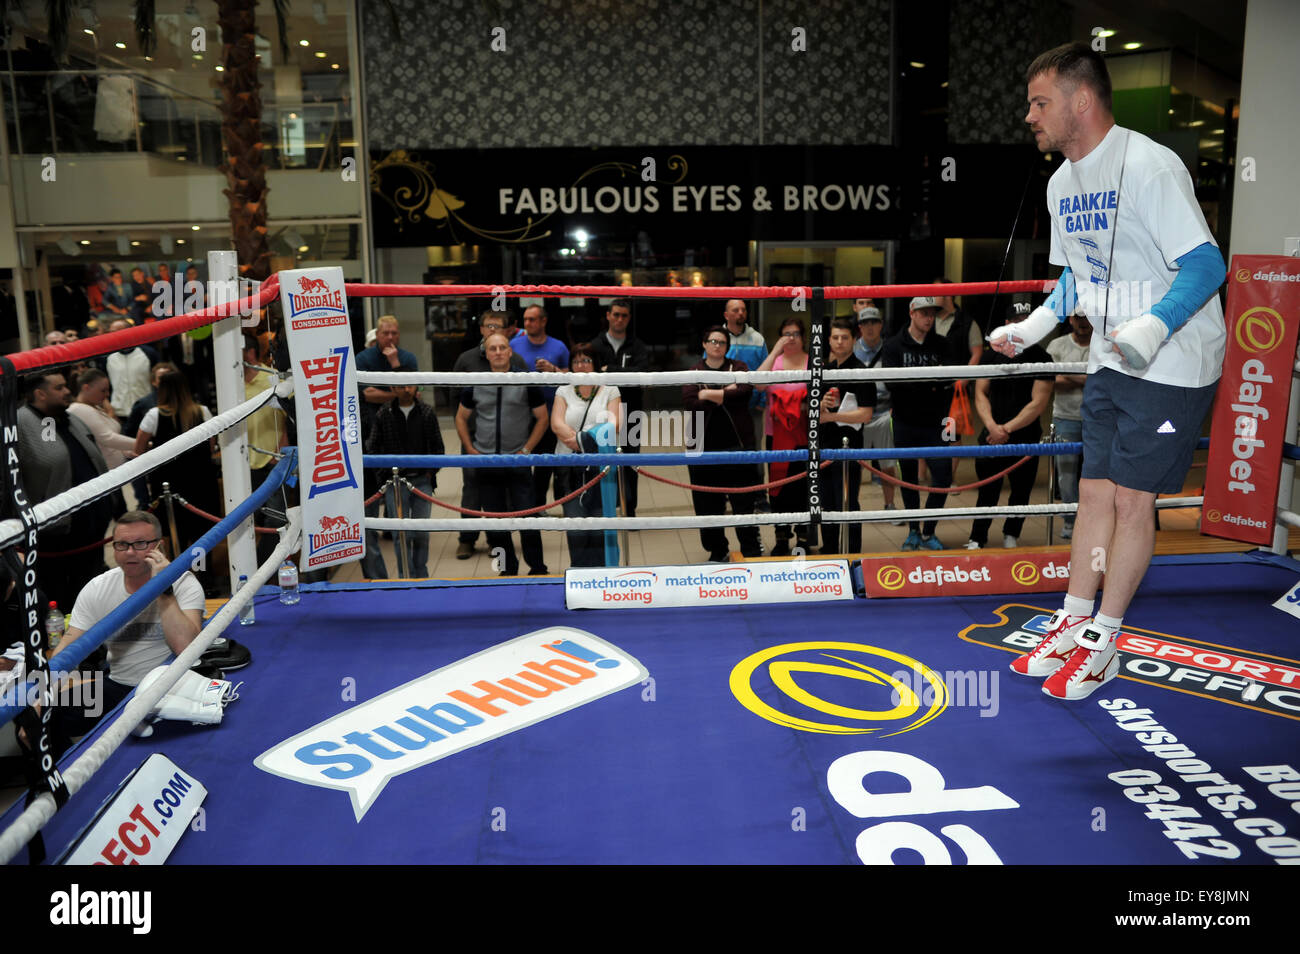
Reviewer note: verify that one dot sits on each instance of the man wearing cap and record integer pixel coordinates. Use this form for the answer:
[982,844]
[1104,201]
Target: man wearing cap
[920,408]
[1011,409]
[879,431]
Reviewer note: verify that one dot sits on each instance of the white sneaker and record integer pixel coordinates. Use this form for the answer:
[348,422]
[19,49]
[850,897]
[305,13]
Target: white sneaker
[1010,542]
[1067,533]
[1088,669]
[973,545]
[1054,649]
[894,523]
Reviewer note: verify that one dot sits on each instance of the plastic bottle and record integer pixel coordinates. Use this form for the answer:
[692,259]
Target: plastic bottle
[55,624]
[289,583]
[246,613]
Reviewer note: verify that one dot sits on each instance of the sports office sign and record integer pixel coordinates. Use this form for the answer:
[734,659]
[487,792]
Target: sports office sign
[1250,407]
[327,414]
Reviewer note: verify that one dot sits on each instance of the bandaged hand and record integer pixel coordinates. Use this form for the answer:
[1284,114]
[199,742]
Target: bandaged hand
[1011,339]
[1138,340]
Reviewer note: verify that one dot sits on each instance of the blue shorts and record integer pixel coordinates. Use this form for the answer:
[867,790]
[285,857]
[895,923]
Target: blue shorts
[1139,434]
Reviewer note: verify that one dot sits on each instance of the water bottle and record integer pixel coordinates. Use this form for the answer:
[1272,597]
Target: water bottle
[245,612]
[289,583]
[55,624]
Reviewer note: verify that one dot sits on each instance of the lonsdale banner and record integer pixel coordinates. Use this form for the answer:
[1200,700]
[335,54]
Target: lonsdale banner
[329,424]
[1250,408]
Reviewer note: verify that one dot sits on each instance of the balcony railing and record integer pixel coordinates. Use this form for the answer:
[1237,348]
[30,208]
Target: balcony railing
[122,111]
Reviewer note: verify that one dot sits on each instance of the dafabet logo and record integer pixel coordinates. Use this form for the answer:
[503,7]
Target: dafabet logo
[767,684]
[890,577]
[1259,330]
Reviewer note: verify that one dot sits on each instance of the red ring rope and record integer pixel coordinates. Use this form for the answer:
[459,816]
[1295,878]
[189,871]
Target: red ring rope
[515,513]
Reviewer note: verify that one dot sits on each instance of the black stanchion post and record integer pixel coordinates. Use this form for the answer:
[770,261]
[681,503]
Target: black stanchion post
[819,328]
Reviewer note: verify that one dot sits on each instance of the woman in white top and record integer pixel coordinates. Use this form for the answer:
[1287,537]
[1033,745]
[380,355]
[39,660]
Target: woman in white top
[93,409]
[579,408]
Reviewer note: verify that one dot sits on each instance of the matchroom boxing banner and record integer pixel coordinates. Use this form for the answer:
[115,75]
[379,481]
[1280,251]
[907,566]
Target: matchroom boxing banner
[1250,408]
[327,415]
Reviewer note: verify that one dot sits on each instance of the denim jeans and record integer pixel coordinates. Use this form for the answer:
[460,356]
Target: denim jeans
[417,541]
[1067,465]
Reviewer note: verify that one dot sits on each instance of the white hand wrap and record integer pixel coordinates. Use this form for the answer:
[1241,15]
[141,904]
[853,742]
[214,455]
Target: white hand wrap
[194,698]
[1032,330]
[1139,339]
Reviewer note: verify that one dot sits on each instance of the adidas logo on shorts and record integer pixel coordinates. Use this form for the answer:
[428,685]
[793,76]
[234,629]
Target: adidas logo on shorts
[1166,428]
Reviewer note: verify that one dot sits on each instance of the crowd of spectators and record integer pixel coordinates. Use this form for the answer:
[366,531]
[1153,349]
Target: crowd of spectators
[110,409]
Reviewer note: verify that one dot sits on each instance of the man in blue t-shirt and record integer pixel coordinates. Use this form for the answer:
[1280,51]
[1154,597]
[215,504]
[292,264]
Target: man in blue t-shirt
[383,355]
[541,353]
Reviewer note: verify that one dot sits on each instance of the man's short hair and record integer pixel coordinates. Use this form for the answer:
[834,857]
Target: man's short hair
[141,516]
[250,342]
[39,381]
[386,319]
[845,324]
[1074,63]
[116,271]
[500,316]
[540,309]
[620,303]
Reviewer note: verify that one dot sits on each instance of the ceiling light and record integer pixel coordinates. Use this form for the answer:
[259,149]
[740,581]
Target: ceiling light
[1197,122]
[304,43]
[194,228]
[88,31]
[85,241]
[1217,132]
[916,65]
[68,246]
[221,69]
[334,66]
[135,244]
[1131,46]
[321,54]
[304,248]
[1103,33]
[120,45]
[180,241]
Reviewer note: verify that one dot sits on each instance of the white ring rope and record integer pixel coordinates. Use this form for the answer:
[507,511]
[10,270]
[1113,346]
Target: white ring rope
[668,378]
[11,531]
[38,814]
[735,520]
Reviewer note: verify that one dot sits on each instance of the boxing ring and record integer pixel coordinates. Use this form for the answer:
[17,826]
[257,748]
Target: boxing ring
[677,768]
[459,722]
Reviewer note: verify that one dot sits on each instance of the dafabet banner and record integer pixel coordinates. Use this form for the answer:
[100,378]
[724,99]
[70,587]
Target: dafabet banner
[1251,405]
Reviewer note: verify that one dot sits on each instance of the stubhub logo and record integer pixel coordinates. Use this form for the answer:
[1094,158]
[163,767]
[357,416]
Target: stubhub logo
[482,697]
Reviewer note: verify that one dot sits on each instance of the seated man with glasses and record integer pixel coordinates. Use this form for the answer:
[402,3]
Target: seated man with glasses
[163,629]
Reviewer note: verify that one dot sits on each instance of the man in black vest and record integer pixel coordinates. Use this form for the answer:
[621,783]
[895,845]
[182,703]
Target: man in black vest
[616,350]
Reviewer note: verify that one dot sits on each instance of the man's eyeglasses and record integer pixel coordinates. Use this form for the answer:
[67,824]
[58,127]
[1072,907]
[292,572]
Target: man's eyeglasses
[715,341]
[121,546]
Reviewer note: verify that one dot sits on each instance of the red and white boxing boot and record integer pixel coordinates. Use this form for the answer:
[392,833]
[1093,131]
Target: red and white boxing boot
[1094,662]
[1054,649]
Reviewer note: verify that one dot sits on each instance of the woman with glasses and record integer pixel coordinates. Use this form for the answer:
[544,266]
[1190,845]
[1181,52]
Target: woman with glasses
[726,426]
[786,423]
[577,409]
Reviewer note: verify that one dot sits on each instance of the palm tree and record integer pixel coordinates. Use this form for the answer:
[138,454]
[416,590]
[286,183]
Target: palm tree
[244,164]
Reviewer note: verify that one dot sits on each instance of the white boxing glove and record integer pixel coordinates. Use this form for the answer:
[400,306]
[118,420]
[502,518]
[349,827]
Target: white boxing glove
[1138,340]
[1032,330]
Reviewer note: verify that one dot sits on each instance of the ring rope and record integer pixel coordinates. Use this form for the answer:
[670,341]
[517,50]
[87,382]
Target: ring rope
[709,458]
[47,554]
[747,292]
[42,809]
[680,378]
[74,498]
